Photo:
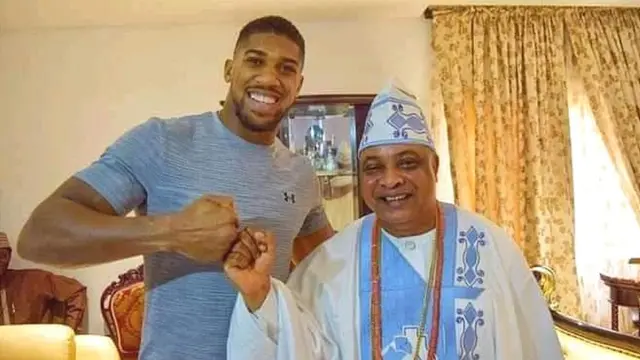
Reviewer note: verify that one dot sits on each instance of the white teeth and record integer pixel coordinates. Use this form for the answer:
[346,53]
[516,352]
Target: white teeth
[262,98]
[395,198]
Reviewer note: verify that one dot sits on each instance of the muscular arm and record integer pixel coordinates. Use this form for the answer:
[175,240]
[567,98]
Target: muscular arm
[76,226]
[316,227]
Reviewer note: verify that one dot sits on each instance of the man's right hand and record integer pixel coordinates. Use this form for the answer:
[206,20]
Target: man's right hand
[205,230]
[252,277]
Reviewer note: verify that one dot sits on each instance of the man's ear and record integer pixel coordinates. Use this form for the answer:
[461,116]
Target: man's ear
[436,165]
[300,85]
[228,67]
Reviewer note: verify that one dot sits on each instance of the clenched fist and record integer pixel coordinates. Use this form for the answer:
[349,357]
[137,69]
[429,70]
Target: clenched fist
[252,275]
[205,230]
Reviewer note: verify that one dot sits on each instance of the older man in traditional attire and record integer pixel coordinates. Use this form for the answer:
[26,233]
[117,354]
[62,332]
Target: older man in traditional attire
[34,296]
[417,279]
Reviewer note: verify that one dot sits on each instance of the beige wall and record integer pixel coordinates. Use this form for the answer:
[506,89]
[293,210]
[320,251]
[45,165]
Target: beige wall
[66,94]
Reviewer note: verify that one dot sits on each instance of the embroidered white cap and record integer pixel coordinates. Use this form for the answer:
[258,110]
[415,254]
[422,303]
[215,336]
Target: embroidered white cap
[395,118]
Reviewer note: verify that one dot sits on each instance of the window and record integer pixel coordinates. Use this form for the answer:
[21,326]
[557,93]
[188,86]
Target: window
[607,232]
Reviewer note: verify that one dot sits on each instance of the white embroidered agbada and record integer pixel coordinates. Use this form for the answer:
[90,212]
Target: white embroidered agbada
[490,307]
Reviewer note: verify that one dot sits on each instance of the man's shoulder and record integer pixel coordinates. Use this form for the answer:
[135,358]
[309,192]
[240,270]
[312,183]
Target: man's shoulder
[467,219]
[339,249]
[30,273]
[472,218]
[183,126]
[299,167]
[347,236]
[299,163]
[494,235]
[157,130]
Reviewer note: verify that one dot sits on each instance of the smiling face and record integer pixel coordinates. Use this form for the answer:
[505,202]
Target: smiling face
[265,77]
[399,185]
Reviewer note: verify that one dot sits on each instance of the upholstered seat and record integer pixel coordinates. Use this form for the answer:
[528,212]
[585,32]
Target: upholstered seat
[53,342]
[122,306]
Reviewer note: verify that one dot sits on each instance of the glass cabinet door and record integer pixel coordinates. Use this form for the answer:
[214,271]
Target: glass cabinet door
[326,135]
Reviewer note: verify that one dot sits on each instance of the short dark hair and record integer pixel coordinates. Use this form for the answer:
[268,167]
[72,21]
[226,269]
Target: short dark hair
[273,24]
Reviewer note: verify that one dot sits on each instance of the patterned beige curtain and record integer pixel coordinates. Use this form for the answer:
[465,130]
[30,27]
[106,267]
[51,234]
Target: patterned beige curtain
[606,226]
[604,100]
[606,54]
[501,73]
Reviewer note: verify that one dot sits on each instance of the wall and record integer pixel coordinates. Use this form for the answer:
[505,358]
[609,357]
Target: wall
[66,94]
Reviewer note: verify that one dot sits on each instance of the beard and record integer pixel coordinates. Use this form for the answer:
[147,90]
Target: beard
[245,119]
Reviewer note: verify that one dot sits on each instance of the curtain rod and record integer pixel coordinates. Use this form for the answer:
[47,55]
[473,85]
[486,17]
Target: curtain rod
[429,10]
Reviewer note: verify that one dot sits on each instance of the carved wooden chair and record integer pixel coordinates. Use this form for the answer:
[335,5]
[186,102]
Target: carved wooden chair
[122,306]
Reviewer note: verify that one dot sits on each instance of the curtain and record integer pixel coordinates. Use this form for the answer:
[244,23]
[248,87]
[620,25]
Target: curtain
[606,54]
[501,77]
[604,103]
[607,231]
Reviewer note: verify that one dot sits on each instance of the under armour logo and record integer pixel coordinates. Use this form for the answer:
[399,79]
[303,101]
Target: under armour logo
[289,197]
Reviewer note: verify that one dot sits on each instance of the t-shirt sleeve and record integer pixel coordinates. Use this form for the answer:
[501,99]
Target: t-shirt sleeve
[316,219]
[126,167]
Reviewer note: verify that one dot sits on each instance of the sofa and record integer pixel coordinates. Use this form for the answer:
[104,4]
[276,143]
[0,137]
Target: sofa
[53,342]
[123,309]
[582,341]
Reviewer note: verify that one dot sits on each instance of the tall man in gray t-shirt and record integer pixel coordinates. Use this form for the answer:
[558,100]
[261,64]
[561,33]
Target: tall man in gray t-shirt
[196,182]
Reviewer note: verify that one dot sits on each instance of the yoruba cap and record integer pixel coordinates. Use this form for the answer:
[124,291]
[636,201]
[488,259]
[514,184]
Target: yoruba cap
[395,118]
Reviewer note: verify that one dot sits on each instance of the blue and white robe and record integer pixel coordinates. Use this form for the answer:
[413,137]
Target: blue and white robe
[491,306]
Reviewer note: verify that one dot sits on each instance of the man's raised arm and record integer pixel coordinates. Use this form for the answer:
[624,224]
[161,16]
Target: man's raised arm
[76,226]
[83,222]
[269,320]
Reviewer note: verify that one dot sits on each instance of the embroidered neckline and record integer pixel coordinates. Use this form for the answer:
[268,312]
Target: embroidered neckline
[434,284]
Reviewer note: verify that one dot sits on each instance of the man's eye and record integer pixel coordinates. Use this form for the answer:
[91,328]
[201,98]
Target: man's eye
[254,61]
[289,69]
[408,164]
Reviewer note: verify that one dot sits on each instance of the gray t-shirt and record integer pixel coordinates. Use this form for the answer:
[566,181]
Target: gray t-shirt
[162,165]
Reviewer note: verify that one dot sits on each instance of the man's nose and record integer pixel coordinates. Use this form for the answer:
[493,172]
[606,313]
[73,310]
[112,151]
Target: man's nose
[268,76]
[391,178]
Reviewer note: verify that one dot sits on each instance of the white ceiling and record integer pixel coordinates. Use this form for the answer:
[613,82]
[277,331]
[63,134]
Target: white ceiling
[29,14]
